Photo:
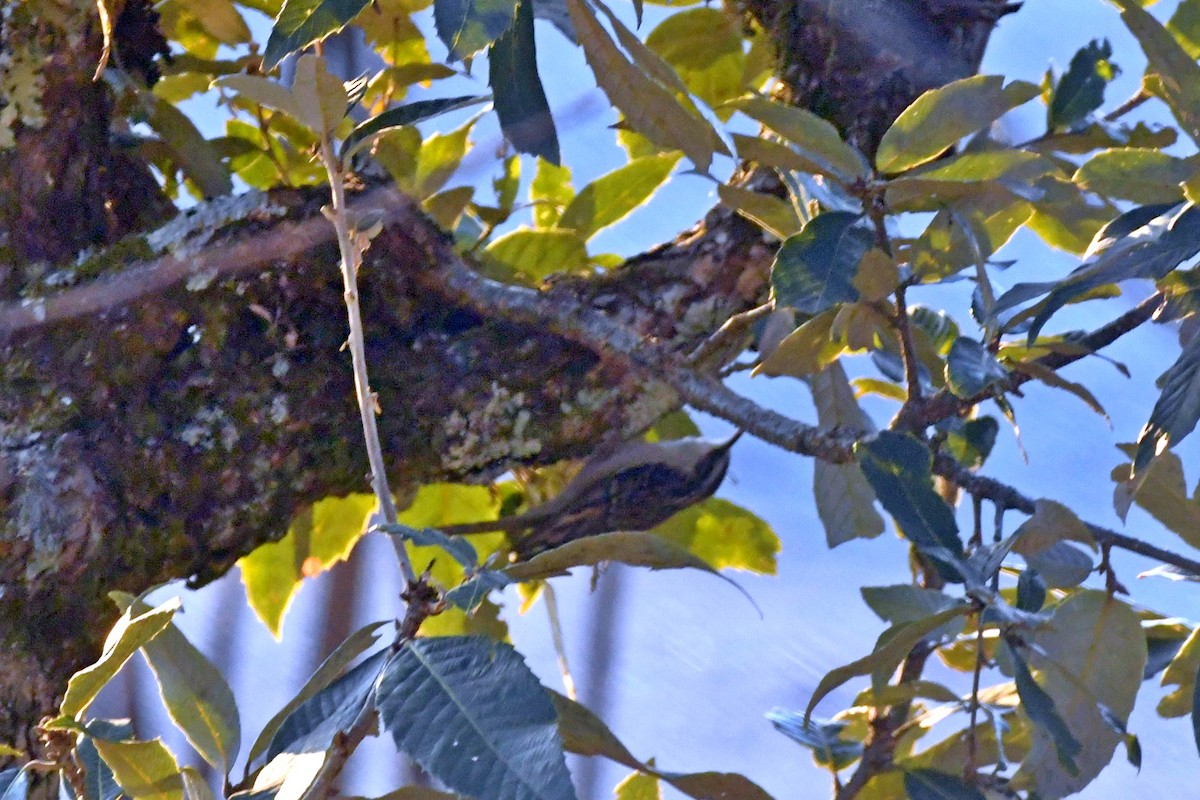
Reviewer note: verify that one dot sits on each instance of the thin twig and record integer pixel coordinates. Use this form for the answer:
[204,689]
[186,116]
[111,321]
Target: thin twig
[735,326]
[351,253]
[972,742]
[1138,97]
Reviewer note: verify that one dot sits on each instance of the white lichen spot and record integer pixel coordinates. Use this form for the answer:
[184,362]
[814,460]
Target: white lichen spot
[37,307]
[199,281]
[201,222]
[210,427]
[492,433]
[280,367]
[21,87]
[279,409]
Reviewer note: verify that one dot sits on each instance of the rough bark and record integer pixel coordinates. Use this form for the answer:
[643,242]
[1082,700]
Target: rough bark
[169,403]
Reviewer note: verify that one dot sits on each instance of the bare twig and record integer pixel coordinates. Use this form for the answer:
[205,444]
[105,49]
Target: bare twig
[735,326]
[351,253]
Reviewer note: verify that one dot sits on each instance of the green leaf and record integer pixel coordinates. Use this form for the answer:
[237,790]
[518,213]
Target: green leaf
[1051,522]
[1081,90]
[131,632]
[823,737]
[520,99]
[320,94]
[629,547]
[940,117]
[844,498]
[765,210]
[536,253]
[649,108]
[1038,705]
[318,537]
[473,716]
[333,666]
[929,784]
[439,159]
[218,17]
[314,725]
[815,139]
[704,46]
[408,114]
[1133,173]
[815,269]
[904,602]
[264,92]
[468,26]
[1181,673]
[887,655]
[614,196]
[724,535]
[898,467]
[194,785]
[805,351]
[971,369]
[144,770]
[550,192]
[303,22]
[1176,77]
[1161,491]
[457,546]
[1091,653]
[471,593]
[638,786]
[196,696]
[585,734]
[1176,411]
[190,151]
[1061,565]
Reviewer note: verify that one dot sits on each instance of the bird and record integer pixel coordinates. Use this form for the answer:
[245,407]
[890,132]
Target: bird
[635,488]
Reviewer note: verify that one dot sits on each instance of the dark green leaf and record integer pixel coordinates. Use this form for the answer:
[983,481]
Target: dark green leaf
[815,269]
[1039,706]
[971,442]
[1167,241]
[1031,591]
[302,22]
[1061,565]
[971,369]
[468,26]
[14,784]
[99,783]
[314,725]
[1081,90]
[902,603]
[823,737]
[471,593]
[398,117]
[1196,712]
[715,785]
[889,651]
[898,467]
[517,89]
[471,714]
[457,546]
[330,669]
[930,784]
[1178,408]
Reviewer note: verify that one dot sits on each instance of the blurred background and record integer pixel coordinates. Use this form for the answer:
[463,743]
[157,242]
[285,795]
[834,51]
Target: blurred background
[679,665]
